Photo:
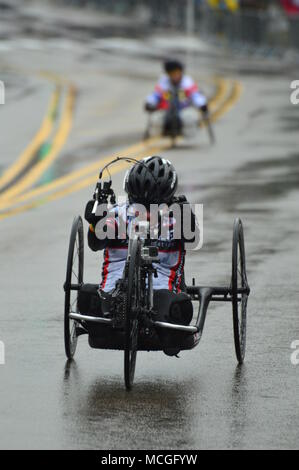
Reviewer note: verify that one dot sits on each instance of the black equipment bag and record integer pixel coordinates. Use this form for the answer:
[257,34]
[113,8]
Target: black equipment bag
[89,302]
[173,308]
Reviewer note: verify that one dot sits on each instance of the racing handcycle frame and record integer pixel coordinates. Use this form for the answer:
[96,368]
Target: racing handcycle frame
[133,327]
[76,323]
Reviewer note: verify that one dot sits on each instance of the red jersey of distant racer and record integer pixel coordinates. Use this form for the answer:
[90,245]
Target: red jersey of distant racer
[188,93]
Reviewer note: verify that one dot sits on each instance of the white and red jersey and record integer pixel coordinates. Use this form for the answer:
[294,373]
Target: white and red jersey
[169,270]
[188,94]
[171,254]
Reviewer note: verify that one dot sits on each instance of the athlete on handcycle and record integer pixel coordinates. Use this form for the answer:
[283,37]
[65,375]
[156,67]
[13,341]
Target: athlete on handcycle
[174,97]
[151,181]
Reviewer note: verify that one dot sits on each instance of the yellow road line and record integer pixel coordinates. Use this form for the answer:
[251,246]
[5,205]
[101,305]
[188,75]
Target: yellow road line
[28,154]
[222,87]
[81,184]
[118,166]
[142,149]
[36,172]
[92,168]
[232,99]
[221,91]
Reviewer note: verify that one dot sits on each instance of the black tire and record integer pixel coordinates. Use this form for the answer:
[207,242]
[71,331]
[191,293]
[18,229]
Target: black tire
[240,290]
[74,280]
[131,316]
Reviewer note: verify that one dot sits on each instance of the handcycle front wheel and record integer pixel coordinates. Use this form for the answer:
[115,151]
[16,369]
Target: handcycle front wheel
[131,317]
[240,290]
[74,280]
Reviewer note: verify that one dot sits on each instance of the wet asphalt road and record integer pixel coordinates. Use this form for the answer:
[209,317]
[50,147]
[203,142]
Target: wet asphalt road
[203,399]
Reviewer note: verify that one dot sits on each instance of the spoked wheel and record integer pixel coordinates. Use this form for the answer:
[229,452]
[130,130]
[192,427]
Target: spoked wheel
[131,315]
[172,126]
[74,280]
[240,290]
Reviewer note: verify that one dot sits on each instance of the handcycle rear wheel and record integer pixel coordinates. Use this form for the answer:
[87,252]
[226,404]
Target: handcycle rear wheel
[131,315]
[74,279]
[240,290]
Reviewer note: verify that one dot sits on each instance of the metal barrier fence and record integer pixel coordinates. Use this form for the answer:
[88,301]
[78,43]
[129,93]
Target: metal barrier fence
[266,28]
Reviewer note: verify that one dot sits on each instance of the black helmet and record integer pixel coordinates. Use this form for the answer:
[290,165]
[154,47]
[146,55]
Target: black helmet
[153,180]
[171,65]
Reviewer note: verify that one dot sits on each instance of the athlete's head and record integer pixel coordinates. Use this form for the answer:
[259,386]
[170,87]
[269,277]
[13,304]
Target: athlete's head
[174,69]
[153,180]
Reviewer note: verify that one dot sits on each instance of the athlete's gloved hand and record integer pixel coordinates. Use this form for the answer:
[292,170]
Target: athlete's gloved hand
[88,215]
[149,108]
[179,200]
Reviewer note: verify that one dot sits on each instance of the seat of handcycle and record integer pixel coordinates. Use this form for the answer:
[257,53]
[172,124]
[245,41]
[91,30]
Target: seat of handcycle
[170,307]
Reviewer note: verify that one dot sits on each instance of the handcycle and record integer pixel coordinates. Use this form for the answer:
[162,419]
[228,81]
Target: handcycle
[133,325]
[173,126]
